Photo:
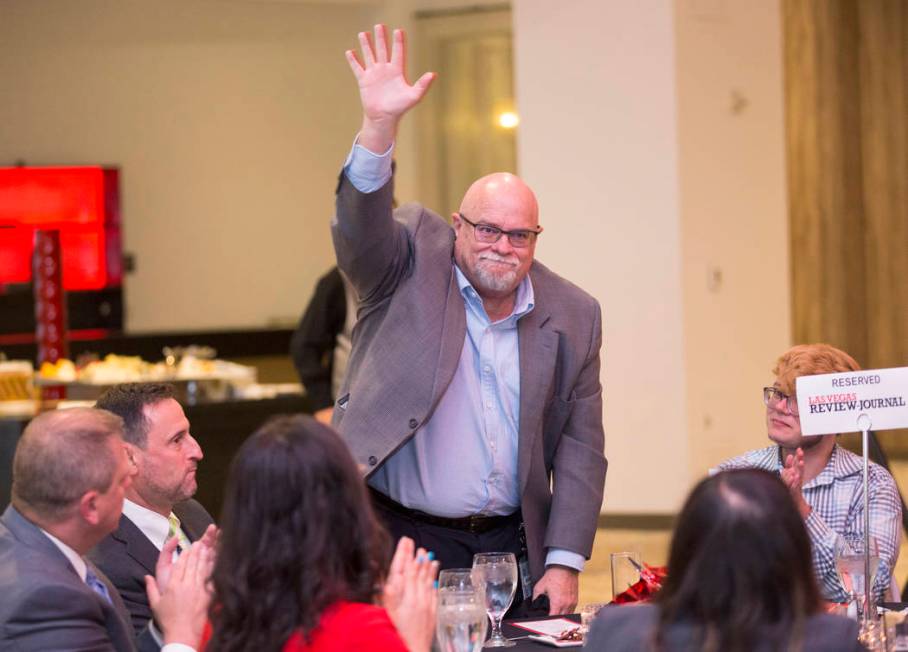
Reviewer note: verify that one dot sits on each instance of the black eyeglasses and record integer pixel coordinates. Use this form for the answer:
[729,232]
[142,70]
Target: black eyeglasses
[772,397]
[487,234]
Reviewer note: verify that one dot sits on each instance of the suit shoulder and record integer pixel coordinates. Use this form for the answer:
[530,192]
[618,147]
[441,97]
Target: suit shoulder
[415,217]
[830,633]
[622,627]
[556,287]
[193,516]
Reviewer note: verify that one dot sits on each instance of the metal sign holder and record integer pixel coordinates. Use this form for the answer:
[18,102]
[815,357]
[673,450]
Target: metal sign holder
[864,423]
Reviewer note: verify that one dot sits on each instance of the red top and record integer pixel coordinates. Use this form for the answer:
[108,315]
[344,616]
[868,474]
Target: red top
[344,626]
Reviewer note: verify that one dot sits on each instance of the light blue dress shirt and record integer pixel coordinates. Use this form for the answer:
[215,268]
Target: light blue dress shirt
[463,461]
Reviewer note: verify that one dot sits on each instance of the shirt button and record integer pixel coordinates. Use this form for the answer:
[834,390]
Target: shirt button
[373,460]
[488,369]
[413,423]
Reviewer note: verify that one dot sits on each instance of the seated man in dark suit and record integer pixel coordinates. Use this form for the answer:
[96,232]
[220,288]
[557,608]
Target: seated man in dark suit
[70,473]
[158,505]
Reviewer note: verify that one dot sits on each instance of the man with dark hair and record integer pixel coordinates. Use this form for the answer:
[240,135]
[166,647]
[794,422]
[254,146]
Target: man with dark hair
[825,480]
[158,504]
[70,473]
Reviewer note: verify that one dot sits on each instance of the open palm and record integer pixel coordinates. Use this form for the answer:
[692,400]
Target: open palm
[384,90]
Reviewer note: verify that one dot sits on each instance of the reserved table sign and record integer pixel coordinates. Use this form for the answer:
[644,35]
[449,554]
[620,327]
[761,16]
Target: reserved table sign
[832,403]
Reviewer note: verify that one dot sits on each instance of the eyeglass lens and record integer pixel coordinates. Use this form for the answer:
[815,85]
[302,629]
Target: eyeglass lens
[489,234]
[772,396]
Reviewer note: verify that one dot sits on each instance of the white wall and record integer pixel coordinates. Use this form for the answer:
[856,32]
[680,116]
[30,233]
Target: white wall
[734,219]
[230,121]
[596,94]
[645,183]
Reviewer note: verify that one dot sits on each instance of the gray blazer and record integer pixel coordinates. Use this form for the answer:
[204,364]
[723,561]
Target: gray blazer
[629,628]
[126,556]
[45,605]
[407,343]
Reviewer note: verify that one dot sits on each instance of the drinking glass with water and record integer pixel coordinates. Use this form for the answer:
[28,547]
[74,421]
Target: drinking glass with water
[498,571]
[462,623]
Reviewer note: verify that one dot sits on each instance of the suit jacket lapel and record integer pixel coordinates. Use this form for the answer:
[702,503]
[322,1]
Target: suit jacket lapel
[116,616]
[138,546]
[454,330]
[193,519]
[538,346]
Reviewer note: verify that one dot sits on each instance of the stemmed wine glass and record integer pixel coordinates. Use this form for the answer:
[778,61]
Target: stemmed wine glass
[498,573]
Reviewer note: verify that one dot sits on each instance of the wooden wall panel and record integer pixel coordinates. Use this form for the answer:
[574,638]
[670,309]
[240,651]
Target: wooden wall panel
[883,65]
[845,79]
[825,191]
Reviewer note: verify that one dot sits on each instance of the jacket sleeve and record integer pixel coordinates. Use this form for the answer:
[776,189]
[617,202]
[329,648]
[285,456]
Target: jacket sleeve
[579,464]
[373,249]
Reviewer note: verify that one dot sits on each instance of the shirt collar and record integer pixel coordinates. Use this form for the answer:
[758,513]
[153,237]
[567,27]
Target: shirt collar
[153,525]
[74,557]
[526,297]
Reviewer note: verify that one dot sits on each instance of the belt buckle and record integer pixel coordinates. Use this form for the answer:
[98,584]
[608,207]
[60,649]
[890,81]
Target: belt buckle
[475,523]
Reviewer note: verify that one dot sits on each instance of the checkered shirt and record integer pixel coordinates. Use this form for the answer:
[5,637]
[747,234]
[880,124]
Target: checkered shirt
[836,497]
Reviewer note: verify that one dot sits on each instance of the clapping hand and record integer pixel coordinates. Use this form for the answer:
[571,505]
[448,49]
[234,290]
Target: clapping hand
[180,594]
[409,595]
[793,477]
[384,91]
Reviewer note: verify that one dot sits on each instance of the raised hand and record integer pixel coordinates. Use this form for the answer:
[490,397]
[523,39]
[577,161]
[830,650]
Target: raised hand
[384,91]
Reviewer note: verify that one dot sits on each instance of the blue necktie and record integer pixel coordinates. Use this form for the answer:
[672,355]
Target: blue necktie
[97,585]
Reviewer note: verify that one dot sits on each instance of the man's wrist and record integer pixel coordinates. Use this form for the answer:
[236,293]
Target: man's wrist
[377,135]
[566,558]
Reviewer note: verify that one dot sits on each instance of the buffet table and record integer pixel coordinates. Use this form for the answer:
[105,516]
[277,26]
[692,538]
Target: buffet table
[220,428]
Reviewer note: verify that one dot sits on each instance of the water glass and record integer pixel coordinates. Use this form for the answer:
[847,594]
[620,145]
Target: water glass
[625,571]
[461,622]
[459,579]
[498,574]
[849,562]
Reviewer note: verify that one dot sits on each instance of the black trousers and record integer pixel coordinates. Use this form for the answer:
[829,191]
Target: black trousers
[455,548]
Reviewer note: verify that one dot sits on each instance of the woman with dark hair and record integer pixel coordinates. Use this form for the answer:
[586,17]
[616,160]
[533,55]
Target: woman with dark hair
[740,578]
[302,559]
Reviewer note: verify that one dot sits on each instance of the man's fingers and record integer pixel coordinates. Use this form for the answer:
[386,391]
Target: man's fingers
[164,567]
[151,588]
[210,538]
[399,49]
[422,84]
[381,44]
[365,45]
[355,65]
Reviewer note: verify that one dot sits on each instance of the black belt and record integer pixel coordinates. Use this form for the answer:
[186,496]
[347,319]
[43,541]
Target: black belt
[474,524]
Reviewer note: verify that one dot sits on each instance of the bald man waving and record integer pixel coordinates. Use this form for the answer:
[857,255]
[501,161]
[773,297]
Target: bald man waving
[472,397]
